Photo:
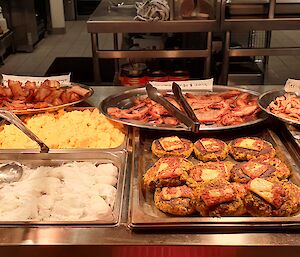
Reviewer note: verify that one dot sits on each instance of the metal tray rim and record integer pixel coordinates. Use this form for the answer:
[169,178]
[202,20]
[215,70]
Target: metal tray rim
[146,221]
[106,157]
[260,99]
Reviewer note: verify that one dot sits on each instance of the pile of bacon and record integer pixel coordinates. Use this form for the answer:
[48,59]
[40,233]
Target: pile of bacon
[30,96]
[222,109]
[286,106]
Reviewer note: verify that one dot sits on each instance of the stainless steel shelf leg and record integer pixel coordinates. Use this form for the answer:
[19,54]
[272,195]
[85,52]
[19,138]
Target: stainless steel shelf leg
[268,38]
[225,64]
[207,64]
[116,48]
[96,66]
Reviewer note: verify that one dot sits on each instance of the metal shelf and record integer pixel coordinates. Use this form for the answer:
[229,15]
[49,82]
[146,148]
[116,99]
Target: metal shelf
[118,20]
[6,42]
[113,20]
[267,15]
[152,54]
[261,15]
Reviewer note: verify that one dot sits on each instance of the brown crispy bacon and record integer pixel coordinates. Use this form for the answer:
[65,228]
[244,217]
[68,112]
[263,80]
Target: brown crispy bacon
[222,109]
[286,106]
[16,89]
[21,97]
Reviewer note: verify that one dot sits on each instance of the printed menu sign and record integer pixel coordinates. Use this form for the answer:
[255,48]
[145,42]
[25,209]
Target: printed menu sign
[205,85]
[292,85]
[63,79]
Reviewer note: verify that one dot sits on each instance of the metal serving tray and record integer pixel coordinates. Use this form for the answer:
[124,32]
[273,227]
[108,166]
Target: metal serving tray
[125,99]
[266,98]
[122,147]
[294,132]
[144,215]
[56,159]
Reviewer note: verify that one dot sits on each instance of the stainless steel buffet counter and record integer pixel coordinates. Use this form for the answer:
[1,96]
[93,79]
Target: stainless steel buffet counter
[115,241]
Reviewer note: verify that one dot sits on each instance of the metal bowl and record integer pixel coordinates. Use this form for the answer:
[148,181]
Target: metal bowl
[266,98]
[125,99]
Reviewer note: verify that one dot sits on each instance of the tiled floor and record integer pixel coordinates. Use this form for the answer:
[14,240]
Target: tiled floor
[283,67]
[76,43]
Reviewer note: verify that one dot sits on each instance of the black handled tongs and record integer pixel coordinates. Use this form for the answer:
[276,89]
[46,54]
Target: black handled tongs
[190,120]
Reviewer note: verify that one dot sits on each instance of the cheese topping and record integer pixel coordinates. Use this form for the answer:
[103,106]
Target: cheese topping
[208,171]
[168,193]
[169,168]
[210,145]
[171,143]
[162,167]
[250,143]
[215,193]
[218,196]
[254,169]
[209,174]
[263,188]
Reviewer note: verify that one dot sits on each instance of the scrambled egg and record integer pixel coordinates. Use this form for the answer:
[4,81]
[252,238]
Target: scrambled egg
[75,129]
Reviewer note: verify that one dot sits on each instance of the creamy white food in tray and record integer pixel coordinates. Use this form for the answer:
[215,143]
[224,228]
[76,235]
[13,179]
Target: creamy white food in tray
[75,191]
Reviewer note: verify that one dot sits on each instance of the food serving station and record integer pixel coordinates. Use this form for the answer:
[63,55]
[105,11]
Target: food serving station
[137,223]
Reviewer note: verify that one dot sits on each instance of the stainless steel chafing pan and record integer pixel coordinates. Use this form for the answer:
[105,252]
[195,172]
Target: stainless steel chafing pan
[144,215]
[122,147]
[266,98]
[56,159]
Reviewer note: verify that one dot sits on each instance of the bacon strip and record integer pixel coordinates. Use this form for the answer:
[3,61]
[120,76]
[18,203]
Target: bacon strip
[222,109]
[21,97]
[286,106]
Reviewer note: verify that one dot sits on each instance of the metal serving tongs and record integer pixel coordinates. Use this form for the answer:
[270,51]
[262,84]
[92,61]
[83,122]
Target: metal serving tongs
[190,121]
[180,99]
[13,119]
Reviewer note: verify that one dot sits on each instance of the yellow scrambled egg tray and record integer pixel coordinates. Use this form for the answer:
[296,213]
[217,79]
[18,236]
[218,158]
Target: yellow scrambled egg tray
[65,129]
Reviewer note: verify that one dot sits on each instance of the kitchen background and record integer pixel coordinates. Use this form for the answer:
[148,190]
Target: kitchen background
[45,37]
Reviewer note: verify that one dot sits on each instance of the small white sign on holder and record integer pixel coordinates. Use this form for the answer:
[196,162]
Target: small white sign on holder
[62,79]
[205,85]
[292,86]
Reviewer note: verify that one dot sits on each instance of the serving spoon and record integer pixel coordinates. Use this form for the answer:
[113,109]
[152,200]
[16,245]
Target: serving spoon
[13,171]
[13,119]
[10,172]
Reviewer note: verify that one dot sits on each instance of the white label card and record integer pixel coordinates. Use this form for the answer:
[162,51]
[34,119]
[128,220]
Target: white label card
[205,85]
[292,85]
[63,79]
